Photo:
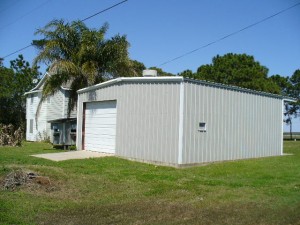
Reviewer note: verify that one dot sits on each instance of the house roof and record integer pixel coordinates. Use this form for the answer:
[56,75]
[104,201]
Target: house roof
[39,86]
[61,120]
[180,79]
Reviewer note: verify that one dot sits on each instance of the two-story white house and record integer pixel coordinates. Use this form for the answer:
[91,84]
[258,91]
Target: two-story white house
[51,121]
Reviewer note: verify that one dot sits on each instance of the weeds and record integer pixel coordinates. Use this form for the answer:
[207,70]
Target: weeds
[11,136]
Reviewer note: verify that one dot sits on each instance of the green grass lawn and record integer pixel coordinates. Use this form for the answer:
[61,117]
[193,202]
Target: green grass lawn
[116,191]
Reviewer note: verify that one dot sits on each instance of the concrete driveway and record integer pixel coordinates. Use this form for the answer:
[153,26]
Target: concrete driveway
[60,156]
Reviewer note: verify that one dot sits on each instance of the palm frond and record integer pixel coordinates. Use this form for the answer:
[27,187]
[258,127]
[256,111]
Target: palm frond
[79,54]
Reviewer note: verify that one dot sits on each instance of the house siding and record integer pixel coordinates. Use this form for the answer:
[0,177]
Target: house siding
[73,113]
[55,109]
[239,124]
[147,119]
[40,129]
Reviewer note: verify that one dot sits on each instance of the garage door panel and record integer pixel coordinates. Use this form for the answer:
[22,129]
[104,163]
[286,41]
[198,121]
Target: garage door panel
[101,122]
[102,129]
[100,144]
[104,107]
[106,149]
[100,126]
[100,110]
[100,135]
[104,142]
[102,115]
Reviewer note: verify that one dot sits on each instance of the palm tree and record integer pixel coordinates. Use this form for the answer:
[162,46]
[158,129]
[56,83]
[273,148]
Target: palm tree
[81,56]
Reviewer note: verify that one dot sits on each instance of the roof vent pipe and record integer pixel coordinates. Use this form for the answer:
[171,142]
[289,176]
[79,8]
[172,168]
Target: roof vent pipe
[149,73]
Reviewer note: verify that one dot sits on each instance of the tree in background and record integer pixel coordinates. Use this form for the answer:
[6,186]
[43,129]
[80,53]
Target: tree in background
[81,56]
[138,68]
[160,72]
[290,86]
[238,70]
[15,81]
[295,81]
[294,108]
[187,74]
[283,82]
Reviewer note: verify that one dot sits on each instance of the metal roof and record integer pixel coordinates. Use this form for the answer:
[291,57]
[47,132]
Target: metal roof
[181,79]
[130,79]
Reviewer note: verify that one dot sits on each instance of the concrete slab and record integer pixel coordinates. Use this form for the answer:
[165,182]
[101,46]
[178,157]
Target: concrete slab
[60,156]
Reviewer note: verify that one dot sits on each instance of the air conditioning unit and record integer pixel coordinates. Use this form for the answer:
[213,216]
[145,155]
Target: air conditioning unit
[149,73]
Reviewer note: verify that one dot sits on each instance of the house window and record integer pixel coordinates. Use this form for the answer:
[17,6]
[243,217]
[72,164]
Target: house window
[48,100]
[31,126]
[31,99]
[73,128]
[202,127]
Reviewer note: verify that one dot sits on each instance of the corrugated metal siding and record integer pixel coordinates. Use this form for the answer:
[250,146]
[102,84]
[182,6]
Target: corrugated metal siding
[239,124]
[147,119]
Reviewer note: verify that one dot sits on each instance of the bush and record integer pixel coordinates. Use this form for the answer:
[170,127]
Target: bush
[72,147]
[10,136]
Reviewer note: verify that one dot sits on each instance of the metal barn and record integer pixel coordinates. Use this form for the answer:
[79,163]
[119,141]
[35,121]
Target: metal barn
[177,121]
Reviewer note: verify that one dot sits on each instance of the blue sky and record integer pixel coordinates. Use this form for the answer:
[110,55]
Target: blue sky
[160,30]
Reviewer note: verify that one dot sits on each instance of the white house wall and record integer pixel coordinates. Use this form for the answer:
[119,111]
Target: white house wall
[55,109]
[41,131]
[239,124]
[147,119]
[73,113]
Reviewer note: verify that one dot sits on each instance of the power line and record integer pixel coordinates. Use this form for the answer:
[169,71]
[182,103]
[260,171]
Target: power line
[231,34]
[104,10]
[17,51]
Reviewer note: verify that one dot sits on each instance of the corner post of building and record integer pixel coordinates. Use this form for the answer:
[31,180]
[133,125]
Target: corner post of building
[282,119]
[180,130]
[78,126]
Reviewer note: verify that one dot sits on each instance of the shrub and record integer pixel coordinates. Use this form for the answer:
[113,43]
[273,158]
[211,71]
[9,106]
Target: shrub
[72,147]
[10,136]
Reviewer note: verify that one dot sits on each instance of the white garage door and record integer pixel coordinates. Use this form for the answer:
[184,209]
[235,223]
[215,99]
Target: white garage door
[100,126]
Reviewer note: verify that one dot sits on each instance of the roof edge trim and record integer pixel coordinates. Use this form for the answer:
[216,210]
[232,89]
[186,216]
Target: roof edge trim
[288,99]
[236,88]
[31,92]
[120,79]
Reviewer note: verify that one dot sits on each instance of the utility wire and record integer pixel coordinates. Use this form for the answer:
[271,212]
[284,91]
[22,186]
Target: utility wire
[104,10]
[231,34]
[17,51]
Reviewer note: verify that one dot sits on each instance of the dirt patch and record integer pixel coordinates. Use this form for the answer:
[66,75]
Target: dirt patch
[162,212]
[21,178]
